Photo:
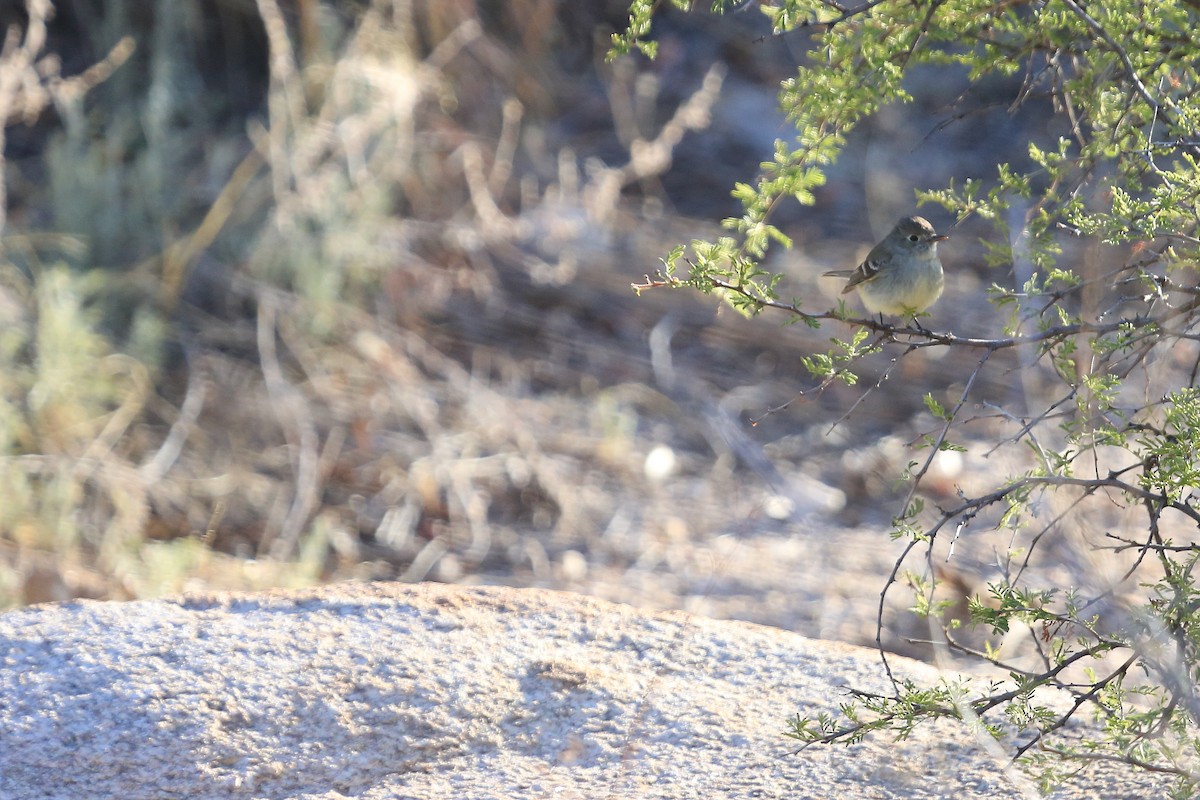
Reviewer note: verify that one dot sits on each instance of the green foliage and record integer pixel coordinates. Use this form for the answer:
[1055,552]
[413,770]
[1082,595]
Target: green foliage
[1169,456]
[1124,79]
[828,366]
[64,396]
[640,14]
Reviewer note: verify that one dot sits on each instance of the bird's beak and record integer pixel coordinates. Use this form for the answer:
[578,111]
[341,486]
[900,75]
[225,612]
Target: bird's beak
[940,237]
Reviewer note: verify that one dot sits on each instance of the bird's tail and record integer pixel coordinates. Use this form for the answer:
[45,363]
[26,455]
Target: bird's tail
[843,273]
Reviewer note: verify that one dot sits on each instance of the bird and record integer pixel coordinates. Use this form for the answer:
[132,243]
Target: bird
[902,275]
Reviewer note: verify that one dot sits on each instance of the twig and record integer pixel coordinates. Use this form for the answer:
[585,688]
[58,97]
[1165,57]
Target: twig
[1121,53]
[296,420]
[193,402]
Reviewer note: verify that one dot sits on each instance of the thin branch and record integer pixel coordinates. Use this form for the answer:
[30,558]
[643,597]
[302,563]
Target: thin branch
[1130,71]
[1080,699]
[879,614]
[845,15]
[1131,544]
[936,447]
[1125,759]
[933,7]
[882,378]
[921,337]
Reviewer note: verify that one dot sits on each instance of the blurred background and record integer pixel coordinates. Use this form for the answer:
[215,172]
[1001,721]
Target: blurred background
[303,291]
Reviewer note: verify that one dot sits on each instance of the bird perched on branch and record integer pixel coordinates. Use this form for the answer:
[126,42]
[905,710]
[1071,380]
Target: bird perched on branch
[902,275]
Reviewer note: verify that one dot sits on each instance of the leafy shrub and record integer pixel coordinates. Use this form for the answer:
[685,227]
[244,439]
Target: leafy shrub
[1102,219]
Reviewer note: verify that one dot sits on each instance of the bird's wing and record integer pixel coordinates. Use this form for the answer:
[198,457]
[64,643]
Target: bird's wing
[866,271]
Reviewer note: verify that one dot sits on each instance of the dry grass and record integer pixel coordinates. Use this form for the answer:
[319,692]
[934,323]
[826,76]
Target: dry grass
[356,402]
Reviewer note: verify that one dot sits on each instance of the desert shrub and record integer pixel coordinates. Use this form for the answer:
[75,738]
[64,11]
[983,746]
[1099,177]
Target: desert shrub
[1091,259]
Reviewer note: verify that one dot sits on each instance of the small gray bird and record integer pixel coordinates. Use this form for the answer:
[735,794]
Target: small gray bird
[902,274]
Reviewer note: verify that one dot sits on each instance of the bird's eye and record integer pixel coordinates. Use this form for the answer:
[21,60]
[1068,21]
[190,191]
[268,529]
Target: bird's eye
[912,237]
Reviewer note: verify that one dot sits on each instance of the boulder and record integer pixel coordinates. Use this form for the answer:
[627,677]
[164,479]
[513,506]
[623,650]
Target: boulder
[433,691]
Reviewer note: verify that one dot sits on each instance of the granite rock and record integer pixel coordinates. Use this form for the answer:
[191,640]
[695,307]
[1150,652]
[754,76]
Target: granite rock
[432,691]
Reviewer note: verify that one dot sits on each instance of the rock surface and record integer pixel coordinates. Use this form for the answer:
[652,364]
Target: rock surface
[430,691]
